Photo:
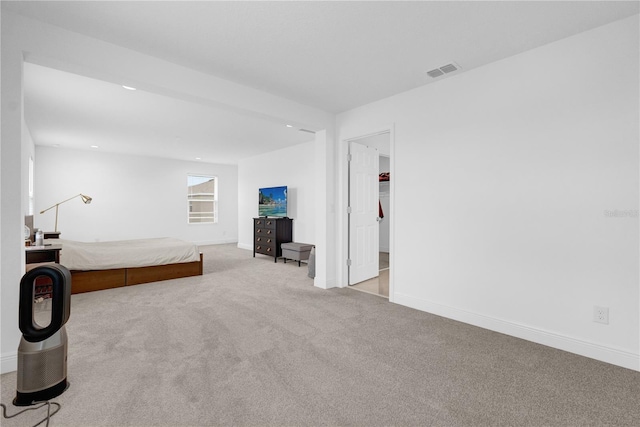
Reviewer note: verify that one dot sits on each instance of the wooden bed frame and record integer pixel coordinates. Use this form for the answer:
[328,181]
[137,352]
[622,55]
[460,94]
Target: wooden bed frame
[95,280]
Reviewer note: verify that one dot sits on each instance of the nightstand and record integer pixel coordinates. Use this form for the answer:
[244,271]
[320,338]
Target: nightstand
[38,254]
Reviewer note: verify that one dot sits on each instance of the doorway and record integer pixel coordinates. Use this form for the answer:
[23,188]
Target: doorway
[374,281]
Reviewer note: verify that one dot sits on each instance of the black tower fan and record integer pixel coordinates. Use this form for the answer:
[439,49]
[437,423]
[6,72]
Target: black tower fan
[42,353]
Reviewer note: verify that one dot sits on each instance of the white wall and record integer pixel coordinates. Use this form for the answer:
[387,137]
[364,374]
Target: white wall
[326,238]
[28,151]
[293,167]
[12,173]
[133,196]
[503,176]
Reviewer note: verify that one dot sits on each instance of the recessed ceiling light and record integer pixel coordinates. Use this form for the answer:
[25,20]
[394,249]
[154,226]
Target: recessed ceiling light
[94,146]
[289,126]
[198,158]
[128,87]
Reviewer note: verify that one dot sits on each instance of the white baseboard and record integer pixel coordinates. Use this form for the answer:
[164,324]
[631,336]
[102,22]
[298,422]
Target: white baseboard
[321,283]
[8,362]
[584,348]
[245,246]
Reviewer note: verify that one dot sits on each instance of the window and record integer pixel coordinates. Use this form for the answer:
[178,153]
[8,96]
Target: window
[202,196]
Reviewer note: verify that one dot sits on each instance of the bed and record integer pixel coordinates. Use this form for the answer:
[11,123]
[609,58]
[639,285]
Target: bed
[105,265]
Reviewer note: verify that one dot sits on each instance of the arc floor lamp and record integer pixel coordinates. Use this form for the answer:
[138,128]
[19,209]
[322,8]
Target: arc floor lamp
[86,199]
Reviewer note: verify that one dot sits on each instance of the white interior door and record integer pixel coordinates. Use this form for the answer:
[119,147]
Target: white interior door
[363,219]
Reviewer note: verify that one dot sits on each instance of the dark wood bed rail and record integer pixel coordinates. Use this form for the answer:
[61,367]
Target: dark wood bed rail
[95,280]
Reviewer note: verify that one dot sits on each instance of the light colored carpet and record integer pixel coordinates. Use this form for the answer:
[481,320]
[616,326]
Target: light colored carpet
[254,343]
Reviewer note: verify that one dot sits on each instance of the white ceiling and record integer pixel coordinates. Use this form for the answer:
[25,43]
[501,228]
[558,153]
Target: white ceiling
[332,55]
[72,111]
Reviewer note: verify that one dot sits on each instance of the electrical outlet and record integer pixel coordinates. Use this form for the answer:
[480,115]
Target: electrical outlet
[601,314]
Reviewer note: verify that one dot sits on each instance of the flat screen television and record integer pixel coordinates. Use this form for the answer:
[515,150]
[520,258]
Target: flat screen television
[272,201]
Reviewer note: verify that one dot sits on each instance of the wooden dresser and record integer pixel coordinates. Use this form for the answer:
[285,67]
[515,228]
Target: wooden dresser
[269,234]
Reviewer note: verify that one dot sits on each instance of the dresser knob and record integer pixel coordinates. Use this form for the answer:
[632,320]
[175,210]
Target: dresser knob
[258,231]
[268,222]
[259,239]
[269,232]
[268,249]
[258,247]
[268,240]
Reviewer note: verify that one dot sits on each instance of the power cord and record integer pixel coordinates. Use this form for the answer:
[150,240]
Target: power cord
[47,418]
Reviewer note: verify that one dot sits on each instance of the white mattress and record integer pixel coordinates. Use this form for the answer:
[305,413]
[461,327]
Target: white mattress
[126,253]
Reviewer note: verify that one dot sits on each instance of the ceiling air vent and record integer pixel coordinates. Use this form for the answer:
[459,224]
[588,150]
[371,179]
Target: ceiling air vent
[448,68]
[445,69]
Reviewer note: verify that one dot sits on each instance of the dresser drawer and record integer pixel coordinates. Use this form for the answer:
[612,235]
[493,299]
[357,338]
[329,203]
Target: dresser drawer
[266,249]
[265,232]
[265,223]
[265,240]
